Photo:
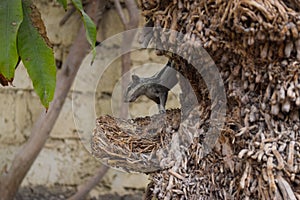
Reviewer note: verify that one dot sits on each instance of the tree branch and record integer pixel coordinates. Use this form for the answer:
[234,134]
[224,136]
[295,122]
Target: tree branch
[132,23]
[85,189]
[133,14]
[10,182]
[120,12]
[126,44]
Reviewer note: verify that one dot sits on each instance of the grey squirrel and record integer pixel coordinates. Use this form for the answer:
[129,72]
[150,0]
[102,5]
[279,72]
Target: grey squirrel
[155,87]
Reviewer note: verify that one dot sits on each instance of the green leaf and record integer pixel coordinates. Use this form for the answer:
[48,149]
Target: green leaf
[36,55]
[11,17]
[63,3]
[89,25]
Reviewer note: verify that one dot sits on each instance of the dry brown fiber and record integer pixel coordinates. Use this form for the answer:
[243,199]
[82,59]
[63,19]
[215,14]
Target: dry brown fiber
[256,46]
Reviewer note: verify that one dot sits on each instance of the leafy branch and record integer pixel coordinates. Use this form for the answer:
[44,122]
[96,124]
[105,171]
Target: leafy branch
[24,38]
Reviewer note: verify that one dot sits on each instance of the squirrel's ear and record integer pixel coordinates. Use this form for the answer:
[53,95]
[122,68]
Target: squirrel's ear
[170,63]
[135,78]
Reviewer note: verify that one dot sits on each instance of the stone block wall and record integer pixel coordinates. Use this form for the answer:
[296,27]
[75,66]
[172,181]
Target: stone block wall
[64,160]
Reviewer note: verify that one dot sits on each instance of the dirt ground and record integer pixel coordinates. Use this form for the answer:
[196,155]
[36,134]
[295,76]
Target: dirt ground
[62,193]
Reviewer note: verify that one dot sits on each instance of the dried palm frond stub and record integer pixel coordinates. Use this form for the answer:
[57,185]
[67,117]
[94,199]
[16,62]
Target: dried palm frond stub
[254,164]
[265,30]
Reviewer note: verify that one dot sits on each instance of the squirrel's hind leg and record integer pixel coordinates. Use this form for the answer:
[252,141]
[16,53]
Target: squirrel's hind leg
[162,102]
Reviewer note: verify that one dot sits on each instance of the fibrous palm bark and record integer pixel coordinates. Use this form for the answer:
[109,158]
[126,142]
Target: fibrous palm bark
[256,47]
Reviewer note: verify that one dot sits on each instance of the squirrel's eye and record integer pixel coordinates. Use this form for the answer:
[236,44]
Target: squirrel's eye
[129,88]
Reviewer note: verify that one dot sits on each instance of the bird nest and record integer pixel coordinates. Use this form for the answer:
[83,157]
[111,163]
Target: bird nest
[133,145]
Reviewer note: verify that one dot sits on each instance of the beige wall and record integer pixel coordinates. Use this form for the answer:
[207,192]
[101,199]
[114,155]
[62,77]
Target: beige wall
[64,160]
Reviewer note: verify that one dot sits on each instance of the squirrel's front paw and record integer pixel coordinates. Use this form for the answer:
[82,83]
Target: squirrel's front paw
[162,111]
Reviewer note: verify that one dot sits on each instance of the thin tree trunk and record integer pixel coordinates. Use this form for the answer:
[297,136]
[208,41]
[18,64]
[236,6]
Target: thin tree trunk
[126,62]
[131,23]
[10,181]
[86,188]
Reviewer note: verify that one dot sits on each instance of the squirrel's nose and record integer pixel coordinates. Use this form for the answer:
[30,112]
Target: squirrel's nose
[128,99]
